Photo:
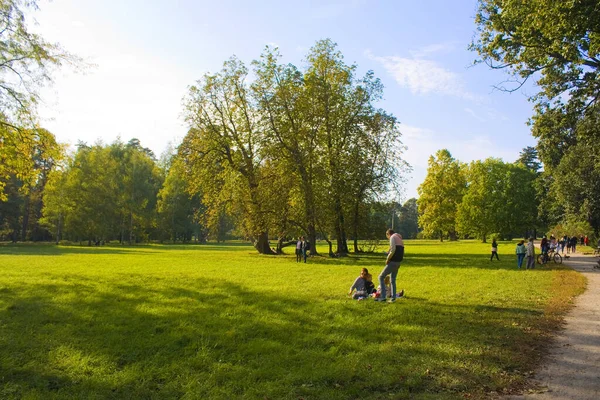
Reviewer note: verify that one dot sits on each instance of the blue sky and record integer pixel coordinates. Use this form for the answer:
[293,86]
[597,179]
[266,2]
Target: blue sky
[146,53]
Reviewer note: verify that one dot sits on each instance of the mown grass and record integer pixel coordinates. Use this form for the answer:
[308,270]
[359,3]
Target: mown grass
[220,321]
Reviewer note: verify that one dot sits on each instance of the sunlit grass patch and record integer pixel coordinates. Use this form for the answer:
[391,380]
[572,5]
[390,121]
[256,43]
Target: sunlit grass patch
[222,322]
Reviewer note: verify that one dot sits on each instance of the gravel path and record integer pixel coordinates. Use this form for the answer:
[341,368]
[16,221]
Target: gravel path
[572,370]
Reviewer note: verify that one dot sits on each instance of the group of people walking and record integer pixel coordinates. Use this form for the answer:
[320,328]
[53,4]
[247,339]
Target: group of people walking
[363,287]
[546,246]
[528,251]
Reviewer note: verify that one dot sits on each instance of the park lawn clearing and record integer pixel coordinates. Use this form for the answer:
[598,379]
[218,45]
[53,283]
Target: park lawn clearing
[220,321]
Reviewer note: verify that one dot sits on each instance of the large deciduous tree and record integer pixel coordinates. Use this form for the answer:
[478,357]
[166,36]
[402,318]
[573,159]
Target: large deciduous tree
[315,134]
[440,194]
[224,147]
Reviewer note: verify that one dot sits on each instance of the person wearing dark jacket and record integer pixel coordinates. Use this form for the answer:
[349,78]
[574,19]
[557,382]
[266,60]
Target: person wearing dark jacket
[494,250]
[392,265]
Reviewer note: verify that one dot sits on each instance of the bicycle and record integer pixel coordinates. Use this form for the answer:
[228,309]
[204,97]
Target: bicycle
[551,255]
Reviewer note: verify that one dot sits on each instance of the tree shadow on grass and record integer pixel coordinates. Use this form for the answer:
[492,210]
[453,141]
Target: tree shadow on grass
[203,340]
[46,249]
[436,260]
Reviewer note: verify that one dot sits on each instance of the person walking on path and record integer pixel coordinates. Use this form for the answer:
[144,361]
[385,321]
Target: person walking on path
[574,244]
[530,254]
[494,250]
[521,251]
[392,265]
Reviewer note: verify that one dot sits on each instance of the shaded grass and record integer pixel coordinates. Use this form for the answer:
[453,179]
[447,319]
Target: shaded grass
[222,322]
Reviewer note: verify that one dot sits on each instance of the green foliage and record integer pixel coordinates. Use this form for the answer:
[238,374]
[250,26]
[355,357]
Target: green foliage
[500,198]
[178,211]
[295,151]
[528,157]
[440,194]
[104,193]
[554,42]
[557,43]
[26,64]
[220,322]
[409,219]
[571,227]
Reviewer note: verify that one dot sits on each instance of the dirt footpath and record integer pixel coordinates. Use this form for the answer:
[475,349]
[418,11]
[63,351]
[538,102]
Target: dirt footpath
[572,369]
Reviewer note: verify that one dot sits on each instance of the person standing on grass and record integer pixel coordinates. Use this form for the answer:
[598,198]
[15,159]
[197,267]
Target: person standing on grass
[521,252]
[392,265]
[530,254]
[494,250]
[299,250]
[305,248]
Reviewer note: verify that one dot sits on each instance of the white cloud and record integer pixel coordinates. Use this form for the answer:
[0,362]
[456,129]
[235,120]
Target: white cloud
[422,76]
[474,114]
[425,76]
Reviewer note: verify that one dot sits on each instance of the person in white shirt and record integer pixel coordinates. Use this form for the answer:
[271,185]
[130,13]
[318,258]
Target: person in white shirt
[392,265]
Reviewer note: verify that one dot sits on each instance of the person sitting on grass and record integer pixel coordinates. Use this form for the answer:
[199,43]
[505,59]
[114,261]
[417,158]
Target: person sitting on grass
[360,285]
[369,285]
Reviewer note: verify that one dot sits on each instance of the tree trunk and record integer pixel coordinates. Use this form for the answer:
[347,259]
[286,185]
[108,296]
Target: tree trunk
[261,243]
[312,238]
[441,236]
[279,249]
[342,244]
[25,218]
[58,228]
[330,244]
[355,226]
[130,227]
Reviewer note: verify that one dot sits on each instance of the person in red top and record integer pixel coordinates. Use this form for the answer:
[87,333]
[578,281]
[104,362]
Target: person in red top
[392,265]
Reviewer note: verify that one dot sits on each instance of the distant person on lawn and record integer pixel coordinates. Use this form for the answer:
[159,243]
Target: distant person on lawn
[392,264]
[521,252]
[305,249]
[494,250]
[530,254]
[299,249]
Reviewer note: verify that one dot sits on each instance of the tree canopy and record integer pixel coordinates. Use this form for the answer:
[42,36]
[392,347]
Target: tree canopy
[557,44]
[293,150]
[26,64]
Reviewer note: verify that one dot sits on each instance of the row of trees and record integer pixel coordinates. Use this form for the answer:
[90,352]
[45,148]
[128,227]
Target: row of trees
[478,199]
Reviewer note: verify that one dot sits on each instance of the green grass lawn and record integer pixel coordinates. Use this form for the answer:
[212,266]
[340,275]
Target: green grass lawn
[220,321]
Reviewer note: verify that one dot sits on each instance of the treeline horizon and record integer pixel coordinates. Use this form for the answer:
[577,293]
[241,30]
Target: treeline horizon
[121,192]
